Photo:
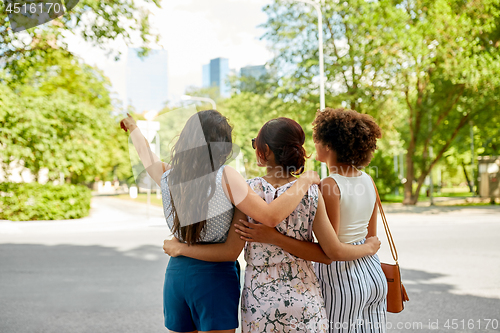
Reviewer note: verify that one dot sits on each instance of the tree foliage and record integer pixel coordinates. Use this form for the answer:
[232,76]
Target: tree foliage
[423,69]
[358,36]
[97,22]
[55,110]
[449,79]
[60,133]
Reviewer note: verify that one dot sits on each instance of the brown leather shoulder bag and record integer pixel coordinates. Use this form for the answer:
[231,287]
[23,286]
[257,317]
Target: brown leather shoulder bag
[396,294]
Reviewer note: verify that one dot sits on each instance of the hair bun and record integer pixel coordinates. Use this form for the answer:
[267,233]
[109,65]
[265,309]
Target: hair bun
[293,157]
[285,137]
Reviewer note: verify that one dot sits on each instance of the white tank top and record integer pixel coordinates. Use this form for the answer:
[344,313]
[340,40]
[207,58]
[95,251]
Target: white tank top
[357,200]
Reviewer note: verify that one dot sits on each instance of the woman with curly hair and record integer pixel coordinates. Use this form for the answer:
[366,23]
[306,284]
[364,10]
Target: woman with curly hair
[354,291]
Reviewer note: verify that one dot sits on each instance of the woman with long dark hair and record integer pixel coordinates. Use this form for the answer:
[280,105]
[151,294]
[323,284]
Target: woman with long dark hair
[281,292]
[201,197]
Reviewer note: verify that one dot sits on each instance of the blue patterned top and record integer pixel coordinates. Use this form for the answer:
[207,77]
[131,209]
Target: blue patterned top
[220,211]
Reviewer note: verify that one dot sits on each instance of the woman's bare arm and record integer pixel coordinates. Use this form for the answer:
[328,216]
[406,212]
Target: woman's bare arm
[330,243]
[228,251]
[152,163]
[329,248]
[331,195]
[250,203]
[261,233]
[372,225]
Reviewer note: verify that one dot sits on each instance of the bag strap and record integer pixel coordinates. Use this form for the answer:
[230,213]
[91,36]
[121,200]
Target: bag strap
[392,246]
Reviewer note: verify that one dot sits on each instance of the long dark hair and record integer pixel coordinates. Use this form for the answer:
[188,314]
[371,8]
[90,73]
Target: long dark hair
[285,137]
[202,148]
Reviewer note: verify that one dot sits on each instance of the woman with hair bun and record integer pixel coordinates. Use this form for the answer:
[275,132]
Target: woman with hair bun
[355,290]
[281,292]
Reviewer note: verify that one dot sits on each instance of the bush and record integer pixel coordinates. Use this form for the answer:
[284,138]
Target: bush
[33,201]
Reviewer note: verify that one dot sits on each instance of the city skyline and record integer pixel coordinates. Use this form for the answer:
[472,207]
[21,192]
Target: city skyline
[257,71]
[186,27]
[216,74]
[250,75]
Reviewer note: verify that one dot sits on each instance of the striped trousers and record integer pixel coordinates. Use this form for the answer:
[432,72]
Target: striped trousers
[355,295]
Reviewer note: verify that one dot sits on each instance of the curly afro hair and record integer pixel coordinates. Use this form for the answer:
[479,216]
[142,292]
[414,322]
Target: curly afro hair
[352,135]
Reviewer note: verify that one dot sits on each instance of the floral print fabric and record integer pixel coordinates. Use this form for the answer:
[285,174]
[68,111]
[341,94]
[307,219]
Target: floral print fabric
[281,291]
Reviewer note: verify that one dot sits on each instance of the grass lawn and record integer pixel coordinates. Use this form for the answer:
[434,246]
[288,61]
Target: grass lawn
[473,204]
[445,193]
[391,198]
[142,198]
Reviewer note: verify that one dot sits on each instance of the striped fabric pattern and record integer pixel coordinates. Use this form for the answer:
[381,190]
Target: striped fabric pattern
[355,295]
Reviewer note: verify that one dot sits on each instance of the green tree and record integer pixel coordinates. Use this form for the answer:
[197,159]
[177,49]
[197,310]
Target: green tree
[358,38]
[60,133]
[423,68]
[56,111]
[98,22]
[43,74]
[358,41]
[449,63]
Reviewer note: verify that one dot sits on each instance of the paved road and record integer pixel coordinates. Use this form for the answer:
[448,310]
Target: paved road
[450,259]
[104,273]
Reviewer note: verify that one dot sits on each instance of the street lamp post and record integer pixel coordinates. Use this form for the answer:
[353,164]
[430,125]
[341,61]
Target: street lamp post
[472,158]
[322,105]
[202,99]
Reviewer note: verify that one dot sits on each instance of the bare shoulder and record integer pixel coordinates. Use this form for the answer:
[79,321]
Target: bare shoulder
[165,166]
[232,178]
[229,173]
[328,186]
[234,185]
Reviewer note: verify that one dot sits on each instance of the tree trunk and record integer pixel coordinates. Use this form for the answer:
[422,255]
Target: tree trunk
[36,174]
[467,178]
[410,174]
[420,183]
[408,187]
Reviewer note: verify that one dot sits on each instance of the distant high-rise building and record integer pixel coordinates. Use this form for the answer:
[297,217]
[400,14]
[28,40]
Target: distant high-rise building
[216,74]
[250,75]
[206,75]
[257,72]
[147,80]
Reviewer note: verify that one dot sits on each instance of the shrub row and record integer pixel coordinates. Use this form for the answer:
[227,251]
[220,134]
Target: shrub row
[33,201]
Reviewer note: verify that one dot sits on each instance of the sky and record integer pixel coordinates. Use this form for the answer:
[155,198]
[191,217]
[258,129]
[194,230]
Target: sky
[192,32]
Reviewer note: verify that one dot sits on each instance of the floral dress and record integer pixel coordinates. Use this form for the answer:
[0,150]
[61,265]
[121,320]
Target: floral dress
[281,291]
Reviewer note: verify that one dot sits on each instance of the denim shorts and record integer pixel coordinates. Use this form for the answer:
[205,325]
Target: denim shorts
[201,295]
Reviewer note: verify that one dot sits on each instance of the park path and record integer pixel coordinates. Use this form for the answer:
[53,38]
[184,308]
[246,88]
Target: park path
[107,215]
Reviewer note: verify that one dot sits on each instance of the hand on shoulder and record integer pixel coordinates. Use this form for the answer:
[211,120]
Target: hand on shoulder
[310,177]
